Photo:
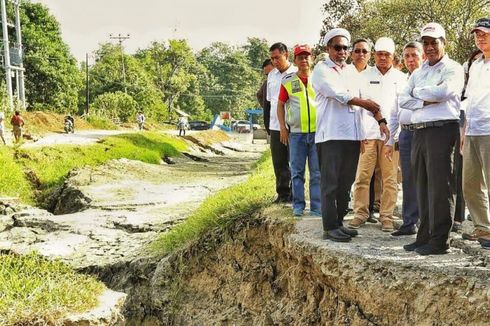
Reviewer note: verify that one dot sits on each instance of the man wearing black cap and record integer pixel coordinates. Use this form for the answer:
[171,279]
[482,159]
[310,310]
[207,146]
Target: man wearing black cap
[476,147]
[339,131]
[433,94]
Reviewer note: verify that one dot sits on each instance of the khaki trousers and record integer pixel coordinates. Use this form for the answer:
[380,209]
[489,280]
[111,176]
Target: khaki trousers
[476,179]
[374,155]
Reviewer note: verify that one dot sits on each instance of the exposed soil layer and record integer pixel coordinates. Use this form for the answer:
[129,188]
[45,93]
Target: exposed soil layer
[269,270]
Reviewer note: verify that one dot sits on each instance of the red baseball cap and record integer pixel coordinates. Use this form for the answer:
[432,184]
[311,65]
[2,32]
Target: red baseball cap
[299,49]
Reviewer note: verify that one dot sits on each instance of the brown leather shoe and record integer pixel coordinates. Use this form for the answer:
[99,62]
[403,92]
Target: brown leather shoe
[387,225]
[475,235]
[356,223]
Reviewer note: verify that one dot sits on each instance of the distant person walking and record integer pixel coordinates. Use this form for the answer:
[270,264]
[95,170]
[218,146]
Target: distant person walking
[140,119]
[2,127]
[297,99]
[182,125]
[17,124]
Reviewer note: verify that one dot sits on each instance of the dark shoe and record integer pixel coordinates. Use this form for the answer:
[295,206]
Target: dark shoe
[371,218]
[485,244]
[429,249]
[412,246]
[282,200]
[336,235]
[407,230]
[349,232]
[457,226]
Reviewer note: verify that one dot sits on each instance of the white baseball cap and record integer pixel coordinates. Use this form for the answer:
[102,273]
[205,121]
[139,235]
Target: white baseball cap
[385,44]
[334,33]
[433,30]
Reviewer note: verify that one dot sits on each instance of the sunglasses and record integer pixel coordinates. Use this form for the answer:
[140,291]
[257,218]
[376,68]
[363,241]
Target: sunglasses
[339,48]
[363,51]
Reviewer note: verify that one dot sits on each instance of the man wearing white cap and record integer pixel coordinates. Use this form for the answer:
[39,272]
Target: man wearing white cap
[476,149]
[433,94]
[339,131]
[381,84]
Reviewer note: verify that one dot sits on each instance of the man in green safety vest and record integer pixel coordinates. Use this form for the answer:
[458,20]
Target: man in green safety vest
[297,118]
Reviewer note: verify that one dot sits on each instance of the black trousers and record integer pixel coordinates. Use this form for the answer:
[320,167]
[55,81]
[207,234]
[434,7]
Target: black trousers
[433,165]
[338,164]
[280,161]
[458,161]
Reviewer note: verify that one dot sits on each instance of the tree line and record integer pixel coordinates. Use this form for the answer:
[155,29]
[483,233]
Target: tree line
[164,76]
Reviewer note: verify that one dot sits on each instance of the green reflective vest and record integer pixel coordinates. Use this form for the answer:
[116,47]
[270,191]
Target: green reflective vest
[300,108]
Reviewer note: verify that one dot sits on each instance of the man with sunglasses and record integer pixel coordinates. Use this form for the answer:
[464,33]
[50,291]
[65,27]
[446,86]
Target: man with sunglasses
[339,131]
[433,94]
[361,53]
[280,156]
[382,83]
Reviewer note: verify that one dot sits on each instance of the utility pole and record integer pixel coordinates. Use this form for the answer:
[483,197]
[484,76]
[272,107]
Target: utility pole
[13,64]
[87,92]
[121,38]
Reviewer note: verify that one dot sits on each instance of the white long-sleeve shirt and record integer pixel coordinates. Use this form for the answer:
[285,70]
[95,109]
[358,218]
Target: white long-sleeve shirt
[441,83]
[478,99]
[334,87]
[382,89]
[274,80]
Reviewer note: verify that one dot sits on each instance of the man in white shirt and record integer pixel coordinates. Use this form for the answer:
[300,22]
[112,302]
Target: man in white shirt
[279,151]
[381,84]
[402,119]
[476,147]
[433,94]
[338,131]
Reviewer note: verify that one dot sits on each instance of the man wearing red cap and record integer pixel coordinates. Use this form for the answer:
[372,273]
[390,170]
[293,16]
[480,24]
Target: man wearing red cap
[296,97]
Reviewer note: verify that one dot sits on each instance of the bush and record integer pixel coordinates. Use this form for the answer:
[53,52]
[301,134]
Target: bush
[115,105]
[100,122]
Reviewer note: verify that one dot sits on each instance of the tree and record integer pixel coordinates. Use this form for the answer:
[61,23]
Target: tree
[176,73]
[52,77]
[116,105]
[403,19]
[106,76]
[232,82]
[257,51]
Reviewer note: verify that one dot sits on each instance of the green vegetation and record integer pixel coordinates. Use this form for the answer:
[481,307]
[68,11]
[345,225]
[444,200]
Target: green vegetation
[12,179]
[100,122]
[223,209]
[49,166]
[403,19]
[34,290]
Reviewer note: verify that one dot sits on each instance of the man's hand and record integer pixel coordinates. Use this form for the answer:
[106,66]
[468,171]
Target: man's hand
[429,103]
[284,136]
[461,145]
[371,106]
[383,129]
[389,152]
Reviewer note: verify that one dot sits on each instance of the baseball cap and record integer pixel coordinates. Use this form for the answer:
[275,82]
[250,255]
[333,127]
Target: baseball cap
[334,33]
[482,24]
[385,44]
[302,49]
[433,30]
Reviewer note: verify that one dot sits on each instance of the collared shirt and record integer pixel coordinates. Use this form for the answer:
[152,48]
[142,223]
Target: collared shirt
[334,87]
[274,80]
[382,89]
[478,99]
[441,83]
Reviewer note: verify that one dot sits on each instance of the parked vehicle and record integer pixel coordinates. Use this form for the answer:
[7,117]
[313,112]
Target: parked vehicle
[198,125]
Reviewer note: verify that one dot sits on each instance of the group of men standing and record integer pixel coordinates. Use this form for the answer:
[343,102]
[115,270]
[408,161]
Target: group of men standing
[346,120]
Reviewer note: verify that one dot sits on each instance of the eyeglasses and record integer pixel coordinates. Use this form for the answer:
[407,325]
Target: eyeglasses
[363,51]
[339,48]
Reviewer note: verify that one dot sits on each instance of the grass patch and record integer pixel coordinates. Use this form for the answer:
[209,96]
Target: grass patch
[100,122]
[12,179]
[50,165]
[34,290]
[222,209]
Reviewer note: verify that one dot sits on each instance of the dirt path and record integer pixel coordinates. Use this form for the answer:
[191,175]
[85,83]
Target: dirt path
[127,203]
[82,137]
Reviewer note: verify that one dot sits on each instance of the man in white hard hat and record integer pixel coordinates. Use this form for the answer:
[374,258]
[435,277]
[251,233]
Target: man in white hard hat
[339,131]
[433,94]
[381,84]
